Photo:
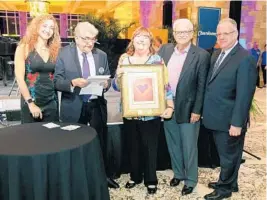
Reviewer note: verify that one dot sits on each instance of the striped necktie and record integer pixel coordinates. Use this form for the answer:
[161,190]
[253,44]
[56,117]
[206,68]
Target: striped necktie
[217,64]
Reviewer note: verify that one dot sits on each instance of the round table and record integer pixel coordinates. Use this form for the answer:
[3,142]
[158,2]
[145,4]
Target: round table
[38,163]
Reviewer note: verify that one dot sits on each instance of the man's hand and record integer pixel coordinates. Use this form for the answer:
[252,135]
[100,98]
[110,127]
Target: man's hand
[265,67]
[167,114]
[79,82]
[235,131]
[104,84]
[194,118]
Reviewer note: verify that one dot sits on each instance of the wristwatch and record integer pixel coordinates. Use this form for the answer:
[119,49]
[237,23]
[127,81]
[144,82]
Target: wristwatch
[30,100]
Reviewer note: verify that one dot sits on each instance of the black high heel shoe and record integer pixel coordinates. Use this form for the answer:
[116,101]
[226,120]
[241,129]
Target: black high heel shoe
[152,189]
[130,184]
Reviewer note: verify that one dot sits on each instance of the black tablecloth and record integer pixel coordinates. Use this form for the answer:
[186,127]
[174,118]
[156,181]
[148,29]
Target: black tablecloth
[37,163]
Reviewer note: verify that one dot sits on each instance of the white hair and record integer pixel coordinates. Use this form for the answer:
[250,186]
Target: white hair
[184,22]
[85,27]
[229,20]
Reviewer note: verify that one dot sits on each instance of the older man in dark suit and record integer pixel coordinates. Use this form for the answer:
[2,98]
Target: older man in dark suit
[75,64]
[188,67]
[230,88]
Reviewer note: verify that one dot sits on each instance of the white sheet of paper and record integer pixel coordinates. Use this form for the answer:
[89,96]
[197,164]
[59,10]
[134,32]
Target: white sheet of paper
[51,125]
[92,88]
[70,127]
[95,86]
[98,79]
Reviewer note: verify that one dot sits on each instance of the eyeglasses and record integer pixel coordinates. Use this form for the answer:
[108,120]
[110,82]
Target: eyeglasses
[144,37]
[88,39]
[182,32]
[224,34]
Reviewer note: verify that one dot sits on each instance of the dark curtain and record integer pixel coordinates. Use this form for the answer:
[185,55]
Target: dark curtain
[235,12]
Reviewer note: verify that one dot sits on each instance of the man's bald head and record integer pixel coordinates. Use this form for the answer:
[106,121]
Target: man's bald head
[184,23]
[183,30]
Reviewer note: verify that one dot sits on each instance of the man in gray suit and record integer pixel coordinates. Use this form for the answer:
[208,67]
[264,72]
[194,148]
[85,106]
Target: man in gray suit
[187,66]
[75,64]
[229,92]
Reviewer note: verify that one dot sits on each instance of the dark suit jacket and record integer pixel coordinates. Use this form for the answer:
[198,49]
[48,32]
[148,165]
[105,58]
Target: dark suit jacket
[68,68]
[229,93]
[191,85]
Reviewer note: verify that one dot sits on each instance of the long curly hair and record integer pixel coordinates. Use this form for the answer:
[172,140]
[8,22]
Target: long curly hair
[31,36]
[130,49]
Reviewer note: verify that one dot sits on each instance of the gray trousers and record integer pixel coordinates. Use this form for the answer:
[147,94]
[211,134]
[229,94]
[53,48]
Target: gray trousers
[182,145]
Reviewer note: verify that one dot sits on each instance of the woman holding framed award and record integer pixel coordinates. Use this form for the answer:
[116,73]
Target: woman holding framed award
[139,92]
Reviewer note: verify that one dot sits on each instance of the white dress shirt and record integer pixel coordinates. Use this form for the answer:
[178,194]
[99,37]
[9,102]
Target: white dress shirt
[90,59]
[91,62]
[226,52]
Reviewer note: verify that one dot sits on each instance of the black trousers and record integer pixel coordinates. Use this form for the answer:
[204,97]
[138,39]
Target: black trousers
[91,113]
[262,68]
[230,151]
[143,144]
[264,74]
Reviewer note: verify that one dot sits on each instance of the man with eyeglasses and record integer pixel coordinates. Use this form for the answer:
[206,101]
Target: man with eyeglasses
[75,64]
[188,67]
[229,91]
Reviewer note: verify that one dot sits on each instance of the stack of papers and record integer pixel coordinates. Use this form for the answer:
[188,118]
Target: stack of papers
[95,86]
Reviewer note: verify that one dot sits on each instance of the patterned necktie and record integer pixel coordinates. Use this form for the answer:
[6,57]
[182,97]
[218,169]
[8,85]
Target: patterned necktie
[86,74]
[217,64]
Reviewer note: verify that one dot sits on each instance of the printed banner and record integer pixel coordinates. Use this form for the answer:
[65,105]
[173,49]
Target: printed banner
[208,19]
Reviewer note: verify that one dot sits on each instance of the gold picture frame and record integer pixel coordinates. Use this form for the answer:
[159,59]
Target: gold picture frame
[142,90]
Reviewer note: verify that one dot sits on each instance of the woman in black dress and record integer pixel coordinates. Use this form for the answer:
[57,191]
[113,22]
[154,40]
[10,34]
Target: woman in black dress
[35,59]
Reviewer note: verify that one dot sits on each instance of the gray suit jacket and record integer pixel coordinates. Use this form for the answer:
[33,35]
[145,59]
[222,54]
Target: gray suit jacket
[230,91]
[68,68]
[191,85]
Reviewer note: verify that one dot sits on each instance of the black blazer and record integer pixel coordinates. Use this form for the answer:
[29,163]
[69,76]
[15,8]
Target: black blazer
[229,93]
[191,85]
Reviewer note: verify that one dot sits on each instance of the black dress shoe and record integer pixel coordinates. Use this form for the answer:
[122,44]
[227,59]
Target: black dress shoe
[151,189]
[187,190]
[115,176]
[216,196]
[174,182]
[130,184]
[213,185]
[242,161]
[112,183]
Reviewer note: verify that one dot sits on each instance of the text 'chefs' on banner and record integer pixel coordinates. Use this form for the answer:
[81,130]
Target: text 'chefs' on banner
[208,19]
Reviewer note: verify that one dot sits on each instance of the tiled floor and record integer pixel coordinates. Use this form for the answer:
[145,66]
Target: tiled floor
[252,176]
